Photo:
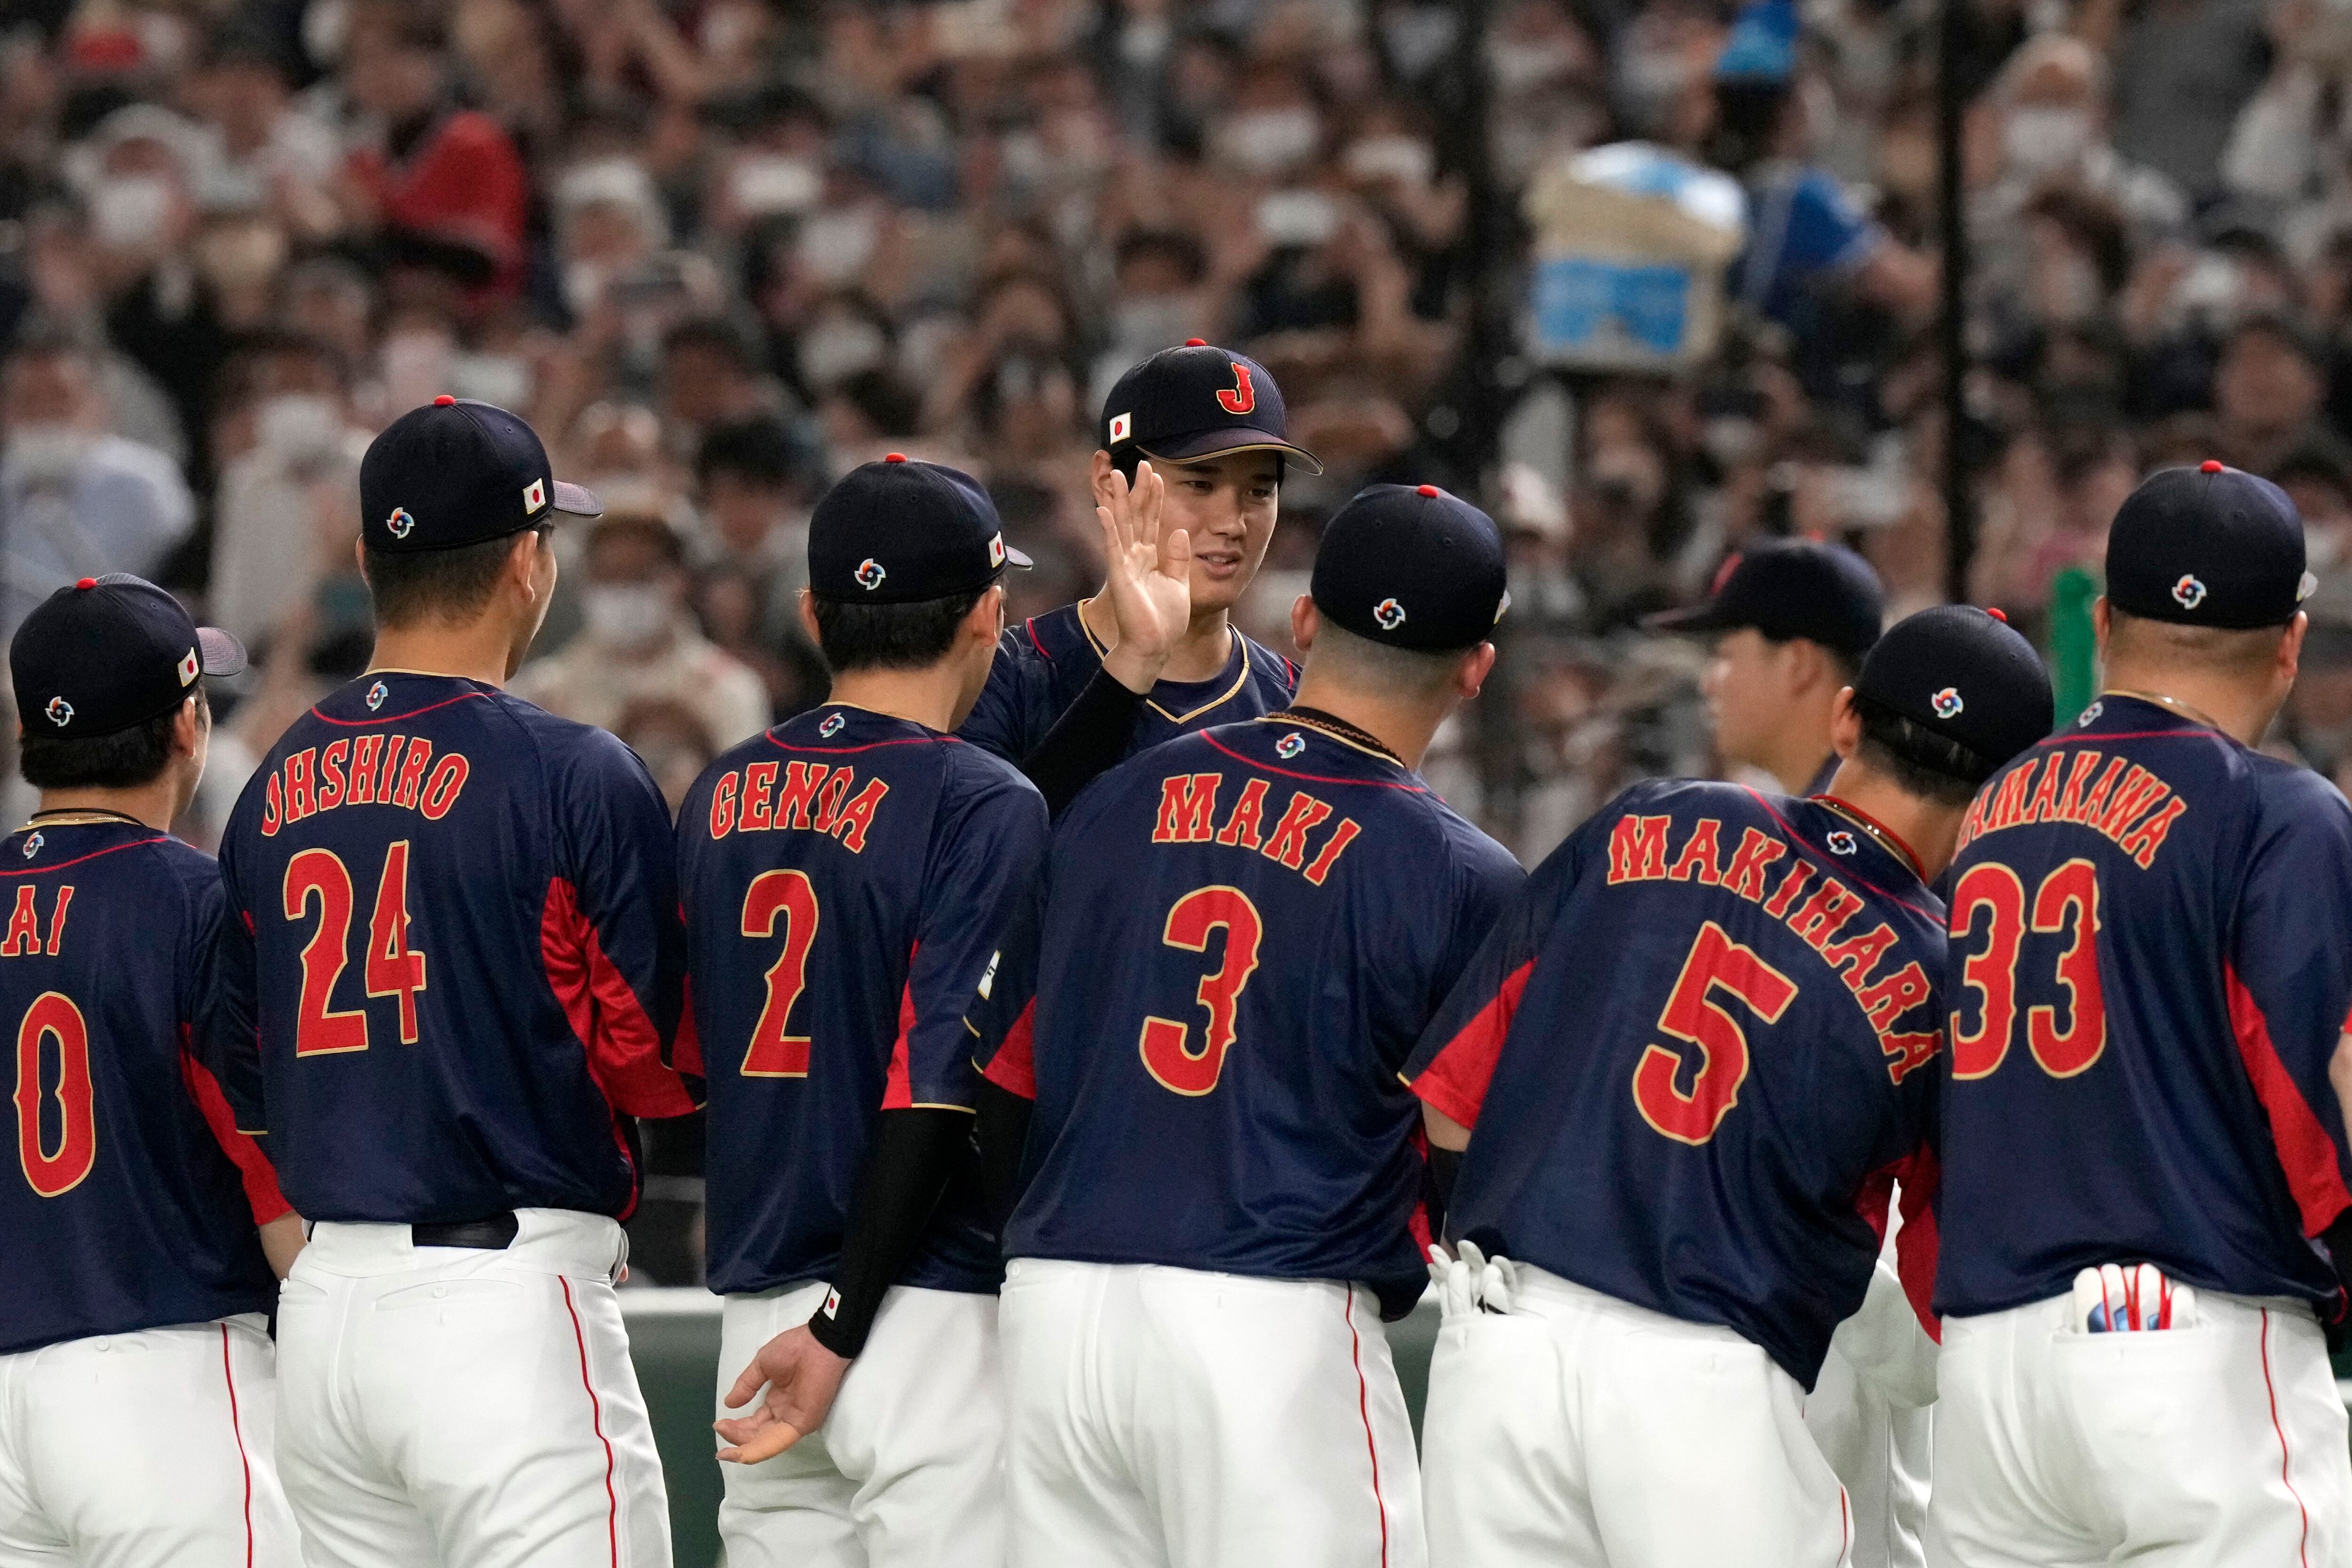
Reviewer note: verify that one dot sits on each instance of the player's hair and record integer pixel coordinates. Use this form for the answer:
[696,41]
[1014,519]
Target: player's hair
[889,637]
[2167,645]
[455,584]
[1922,763]
[124,760]
[1376,667]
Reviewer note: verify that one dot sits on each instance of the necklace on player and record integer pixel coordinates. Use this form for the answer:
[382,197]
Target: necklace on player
[1886,837]
[2161,701]
[78,816]
[1332,724]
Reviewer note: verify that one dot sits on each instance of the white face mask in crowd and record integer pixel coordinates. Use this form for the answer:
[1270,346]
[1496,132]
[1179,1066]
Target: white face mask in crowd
[128,211]
[1146,323]
[46,454]
[2035,140]
[298,424]
[626,615]
[1405,159]
[1266,140]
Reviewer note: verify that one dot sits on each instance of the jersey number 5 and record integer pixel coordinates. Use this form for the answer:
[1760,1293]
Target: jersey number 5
[391,967]
[2066,903]
[1693,1017]
[785,895]
[54,1017]
[1166,1044]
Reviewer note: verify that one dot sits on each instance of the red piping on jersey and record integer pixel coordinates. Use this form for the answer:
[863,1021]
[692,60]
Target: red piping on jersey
[1013,1067]
[1845,1524]
[869,746]
[61,864]
[1456,1078]
[2303,1547]
[236,1430]
[1309,778]
[597,1418]
[1828,860]
[1364,1409]
[2306,1153]
[898,1083]
[1029,625]
[397,718]
[253,1166]
[2189,731]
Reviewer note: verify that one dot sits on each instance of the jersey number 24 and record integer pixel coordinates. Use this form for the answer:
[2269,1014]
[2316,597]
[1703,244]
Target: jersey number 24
[392,968]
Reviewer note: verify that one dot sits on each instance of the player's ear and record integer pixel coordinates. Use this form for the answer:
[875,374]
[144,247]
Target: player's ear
[807,607]
[1098,477]
[1472,672]
[2103,623]
[1846,725]
[987,617]
[1306,621]
[2290,652]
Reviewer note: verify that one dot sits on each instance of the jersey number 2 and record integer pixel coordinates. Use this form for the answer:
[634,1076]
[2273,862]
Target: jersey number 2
[1693,1017]
[1166,1044]
[2066,903]
[53,1016]
[785,895]
[392,969]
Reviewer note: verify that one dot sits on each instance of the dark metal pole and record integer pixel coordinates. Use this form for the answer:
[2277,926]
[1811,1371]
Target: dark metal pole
[1960,515]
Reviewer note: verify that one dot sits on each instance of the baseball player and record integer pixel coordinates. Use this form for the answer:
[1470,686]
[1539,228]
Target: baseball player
[1243,931]
[1791,622]
[137,1390]
[454,928]
[846,879]
[1696,1052]
[2143,1125]
[1094,682]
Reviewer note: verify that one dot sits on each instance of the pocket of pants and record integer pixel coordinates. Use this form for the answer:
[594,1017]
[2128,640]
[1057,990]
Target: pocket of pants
[474,1292]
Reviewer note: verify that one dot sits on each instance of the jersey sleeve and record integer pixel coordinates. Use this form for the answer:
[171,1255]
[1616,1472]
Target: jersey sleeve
[981,875]
[2288,975]
[998,722]
[1001,1026]
[610,937]
[219,1062]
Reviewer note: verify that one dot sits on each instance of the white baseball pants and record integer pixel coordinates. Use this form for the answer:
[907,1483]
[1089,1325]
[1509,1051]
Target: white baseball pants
[448,1407]
[143,1450]
[1173,1418]
[1870,1410]
[2222,1444]
[1580,1430]
[907,1471]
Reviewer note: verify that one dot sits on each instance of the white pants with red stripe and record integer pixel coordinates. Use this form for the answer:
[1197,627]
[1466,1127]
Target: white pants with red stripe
[1172,1418]
[1580,1431]
[907,1471]
[2222,1444]
[143,1450]
[446,1407]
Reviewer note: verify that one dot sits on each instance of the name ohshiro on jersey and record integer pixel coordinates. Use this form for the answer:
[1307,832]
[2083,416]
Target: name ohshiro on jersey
[364,770]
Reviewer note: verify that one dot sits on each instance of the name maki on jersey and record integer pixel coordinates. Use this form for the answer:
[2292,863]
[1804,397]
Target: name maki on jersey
[364,770]
[1188,809]
[813,797]
[2122,801]
[1639,852]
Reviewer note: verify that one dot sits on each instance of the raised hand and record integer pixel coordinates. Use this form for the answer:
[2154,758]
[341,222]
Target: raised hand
[802,1378]
[1149,580]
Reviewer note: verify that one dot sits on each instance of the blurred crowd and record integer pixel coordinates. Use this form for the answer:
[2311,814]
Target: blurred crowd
[721,251]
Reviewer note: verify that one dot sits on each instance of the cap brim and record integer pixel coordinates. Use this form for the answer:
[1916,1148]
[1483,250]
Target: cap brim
[575,500]
[222,653]
[1220,443]
[1015,557]
[1706,617]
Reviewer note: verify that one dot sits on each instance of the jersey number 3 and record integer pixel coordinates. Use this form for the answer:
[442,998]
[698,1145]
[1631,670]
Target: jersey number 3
[1693,1017]
[392,968]
[2066,904]
[1166,1043]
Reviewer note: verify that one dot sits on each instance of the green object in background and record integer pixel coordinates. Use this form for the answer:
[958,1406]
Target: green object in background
[2073,644]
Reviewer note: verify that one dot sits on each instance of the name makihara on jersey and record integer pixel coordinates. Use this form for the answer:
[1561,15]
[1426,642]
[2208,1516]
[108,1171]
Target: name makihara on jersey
[2151,958]
[847,877]
[459,951]
[1243,934]
[1696,1052]
[136,1197]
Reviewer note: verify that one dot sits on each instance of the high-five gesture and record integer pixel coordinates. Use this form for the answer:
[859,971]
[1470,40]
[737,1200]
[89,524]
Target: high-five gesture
[801,1377]
[1149,581]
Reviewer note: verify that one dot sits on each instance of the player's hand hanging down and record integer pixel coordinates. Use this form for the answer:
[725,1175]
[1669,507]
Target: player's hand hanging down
[1150,578]
[802,1378]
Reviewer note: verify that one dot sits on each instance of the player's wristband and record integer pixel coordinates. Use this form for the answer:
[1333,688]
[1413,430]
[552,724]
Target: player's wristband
[906,1168]
[1088,741]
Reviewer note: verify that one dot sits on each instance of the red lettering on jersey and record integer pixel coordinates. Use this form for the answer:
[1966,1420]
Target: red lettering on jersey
[1856,956]
[1786,894]
[24,926]
[331,782]
[1637,848]
[801,782]
[2044,806]
[441,792]
[412,773]
[1818,918]
[2009,805]
[272,816]
[828,800]
[2092,804]
[1288,843]
[2140,790]
[1700,853]
[365,752]
[391,769]
[722,804]
[857,816]
[1188,805]
[2142,842]
[1907,1052]
[759,779]
[1749,862]
[301,802]
[2071,805]
[1241,399]
[1341,836]
[1244,829]
[58,920]
[1894,996]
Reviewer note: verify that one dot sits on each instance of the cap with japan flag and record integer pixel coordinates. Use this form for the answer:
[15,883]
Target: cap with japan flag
[1198,401]
[457,472]
[106,653]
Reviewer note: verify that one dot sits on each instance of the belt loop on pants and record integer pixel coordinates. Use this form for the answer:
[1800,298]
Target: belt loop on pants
[495,1234]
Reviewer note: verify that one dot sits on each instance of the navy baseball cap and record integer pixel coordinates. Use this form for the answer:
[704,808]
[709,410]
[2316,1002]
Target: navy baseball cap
[107,653]
[2207,546]
[1964,674]
[896,531]
[459,472]
[1199,401]
[1411,567]
[1796,589]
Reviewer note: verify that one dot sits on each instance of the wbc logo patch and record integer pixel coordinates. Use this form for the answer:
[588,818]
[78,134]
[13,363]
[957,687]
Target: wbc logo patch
[1122,425]
[400,524]
[870,573]
[1389,613]
[832,726]
[2189,593]
[33,846]
[1290,745]
[375,697]
[1842,842]
[190,668]
[60,711]
[1947,703]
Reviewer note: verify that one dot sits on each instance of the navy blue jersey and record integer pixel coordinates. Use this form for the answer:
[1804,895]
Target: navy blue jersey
[847,877]
[136,1198]
[1243,934]
[2151,958]
[456,938]
[1696,1053]
[1042,664]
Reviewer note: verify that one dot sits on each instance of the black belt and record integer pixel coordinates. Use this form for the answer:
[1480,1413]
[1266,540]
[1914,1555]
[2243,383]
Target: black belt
[493,1235]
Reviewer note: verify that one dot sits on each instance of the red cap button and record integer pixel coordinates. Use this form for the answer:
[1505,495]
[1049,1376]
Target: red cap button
[1196,343]
[1428,490]
[86,583]
[444,401]
[894,456]
[1996,615]
[2209,466]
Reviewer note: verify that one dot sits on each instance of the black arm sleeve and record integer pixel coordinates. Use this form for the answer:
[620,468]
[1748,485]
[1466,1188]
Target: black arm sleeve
[1003,1134]
[2335,1318]
[1445,1166]
[1088,740]
[906,1168]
